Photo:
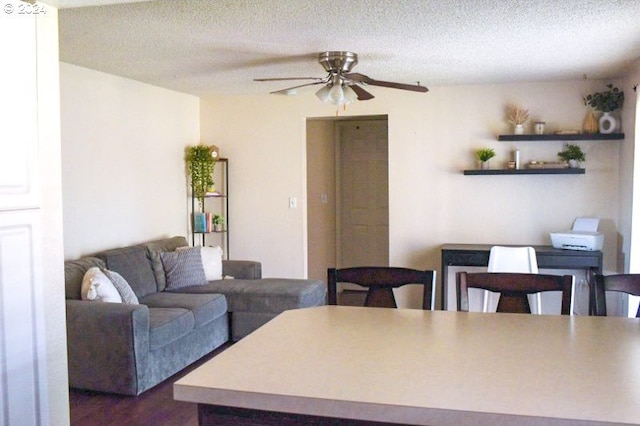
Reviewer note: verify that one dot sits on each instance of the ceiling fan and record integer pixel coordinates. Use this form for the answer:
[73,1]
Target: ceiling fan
[341,86]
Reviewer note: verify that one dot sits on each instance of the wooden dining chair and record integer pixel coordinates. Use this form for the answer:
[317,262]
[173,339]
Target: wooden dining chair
[514,289]
[380,282]
[623,283]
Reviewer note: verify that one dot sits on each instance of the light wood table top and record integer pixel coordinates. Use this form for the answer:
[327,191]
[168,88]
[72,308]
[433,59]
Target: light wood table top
[431,368]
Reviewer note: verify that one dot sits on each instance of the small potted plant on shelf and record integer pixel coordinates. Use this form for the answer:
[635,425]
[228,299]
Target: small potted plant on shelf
[201,163]
[484,155]
[217,221]
[573,155]
[517,117]
[607,102]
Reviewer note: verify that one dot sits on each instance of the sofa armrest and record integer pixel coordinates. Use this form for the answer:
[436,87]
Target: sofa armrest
[108,345]
[242,269]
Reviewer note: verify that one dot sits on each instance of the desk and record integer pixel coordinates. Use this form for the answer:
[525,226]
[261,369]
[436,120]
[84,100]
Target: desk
[404,366]
[547,257]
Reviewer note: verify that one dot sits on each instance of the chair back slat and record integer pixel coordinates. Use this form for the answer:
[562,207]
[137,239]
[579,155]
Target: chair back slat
[514,288]
[380,282]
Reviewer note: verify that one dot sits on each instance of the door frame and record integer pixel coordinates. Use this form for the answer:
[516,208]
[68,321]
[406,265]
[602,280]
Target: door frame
[317,265]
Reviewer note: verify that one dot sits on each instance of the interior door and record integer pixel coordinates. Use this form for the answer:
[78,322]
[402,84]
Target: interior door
[23,367]
[363,188]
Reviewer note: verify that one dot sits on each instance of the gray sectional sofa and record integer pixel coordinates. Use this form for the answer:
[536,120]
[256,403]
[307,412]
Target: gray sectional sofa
[128,348]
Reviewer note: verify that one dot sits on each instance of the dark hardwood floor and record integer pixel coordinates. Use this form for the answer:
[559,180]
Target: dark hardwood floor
[155,407]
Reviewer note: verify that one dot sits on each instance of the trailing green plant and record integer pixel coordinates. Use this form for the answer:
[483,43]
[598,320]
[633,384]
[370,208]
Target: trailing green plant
[571,152]
[200,166]
[217,219]
[485,154]
[607,101]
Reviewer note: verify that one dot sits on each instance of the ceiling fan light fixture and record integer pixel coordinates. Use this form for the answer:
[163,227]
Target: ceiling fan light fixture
[337,94]
[324,93]
[349,95]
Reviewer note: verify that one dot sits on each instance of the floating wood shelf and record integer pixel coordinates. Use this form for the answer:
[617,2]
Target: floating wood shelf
[580,137]
[567,171]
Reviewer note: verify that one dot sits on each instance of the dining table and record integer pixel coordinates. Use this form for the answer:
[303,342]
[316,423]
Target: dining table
[365,366]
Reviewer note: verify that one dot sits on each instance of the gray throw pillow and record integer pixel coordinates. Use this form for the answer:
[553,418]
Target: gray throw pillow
[123,287]
[183,268]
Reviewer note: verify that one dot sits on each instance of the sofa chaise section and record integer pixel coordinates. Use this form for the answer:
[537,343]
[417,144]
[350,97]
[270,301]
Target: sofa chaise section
[252,303]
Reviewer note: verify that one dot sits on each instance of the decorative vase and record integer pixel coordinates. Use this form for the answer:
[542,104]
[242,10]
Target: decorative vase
[484,165]
[608,123]
[590,123]
[518,129]
[574,164]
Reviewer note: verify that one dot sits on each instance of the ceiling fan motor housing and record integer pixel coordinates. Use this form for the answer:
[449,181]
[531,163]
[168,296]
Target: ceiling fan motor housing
[338,62]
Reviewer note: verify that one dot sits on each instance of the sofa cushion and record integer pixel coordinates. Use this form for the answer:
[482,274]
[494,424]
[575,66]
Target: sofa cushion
[123,287]
[266,295]
[211,261]
[154,248]
[167,325]
[183,268]
[132,263]
[96,286]
[205,307]
[74,271]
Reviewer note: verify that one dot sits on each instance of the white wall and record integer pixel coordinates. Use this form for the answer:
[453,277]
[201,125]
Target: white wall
[123,174]
[431,140]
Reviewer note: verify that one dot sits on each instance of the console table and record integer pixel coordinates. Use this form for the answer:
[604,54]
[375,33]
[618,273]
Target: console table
[547,257]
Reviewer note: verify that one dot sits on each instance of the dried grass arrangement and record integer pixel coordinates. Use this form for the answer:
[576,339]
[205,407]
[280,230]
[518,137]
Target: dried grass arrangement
[516,115]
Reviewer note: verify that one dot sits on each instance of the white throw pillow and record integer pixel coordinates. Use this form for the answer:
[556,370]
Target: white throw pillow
[212,262]
[97,287]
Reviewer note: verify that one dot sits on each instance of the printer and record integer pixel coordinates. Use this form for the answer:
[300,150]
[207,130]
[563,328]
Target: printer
[584,236]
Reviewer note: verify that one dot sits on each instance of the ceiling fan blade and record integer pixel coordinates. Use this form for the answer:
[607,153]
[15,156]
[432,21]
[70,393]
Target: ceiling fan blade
[361,78]
[363,95]
[288,78]
[288,90]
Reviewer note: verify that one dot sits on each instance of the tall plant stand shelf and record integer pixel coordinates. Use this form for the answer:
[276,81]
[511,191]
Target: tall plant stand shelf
[216,203]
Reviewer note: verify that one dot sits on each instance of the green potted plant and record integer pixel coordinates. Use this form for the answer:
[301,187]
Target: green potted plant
[484,155]
[572,154]
[607,102]
[217,221]
[201,164]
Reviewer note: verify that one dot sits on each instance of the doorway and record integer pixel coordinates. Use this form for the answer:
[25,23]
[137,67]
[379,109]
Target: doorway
[347,193]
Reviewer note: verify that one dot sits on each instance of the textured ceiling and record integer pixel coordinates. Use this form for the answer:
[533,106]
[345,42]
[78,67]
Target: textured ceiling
[219,47]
